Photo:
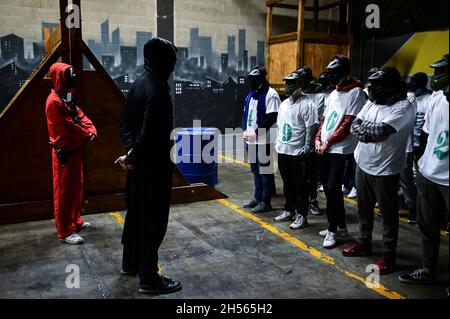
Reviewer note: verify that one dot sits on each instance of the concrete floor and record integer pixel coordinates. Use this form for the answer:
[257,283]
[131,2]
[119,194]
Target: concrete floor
[215,250]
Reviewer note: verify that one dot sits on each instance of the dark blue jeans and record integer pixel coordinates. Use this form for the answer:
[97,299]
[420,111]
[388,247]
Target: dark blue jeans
[263,182]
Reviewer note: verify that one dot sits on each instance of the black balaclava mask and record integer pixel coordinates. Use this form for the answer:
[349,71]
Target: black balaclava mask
[418,84]
[324,81]
[160,56]
[305,78]
[70,78]
[257,78]
[387,87]
[339,69]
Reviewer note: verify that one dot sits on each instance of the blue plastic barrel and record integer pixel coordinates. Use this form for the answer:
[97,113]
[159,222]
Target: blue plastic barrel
[191,144]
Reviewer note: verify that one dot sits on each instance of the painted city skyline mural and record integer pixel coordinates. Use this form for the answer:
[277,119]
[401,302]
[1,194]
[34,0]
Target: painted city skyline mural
[209,85]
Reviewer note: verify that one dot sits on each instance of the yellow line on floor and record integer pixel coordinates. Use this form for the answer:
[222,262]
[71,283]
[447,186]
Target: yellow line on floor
[348,200]
[233,161]
[118,218]
[383,291]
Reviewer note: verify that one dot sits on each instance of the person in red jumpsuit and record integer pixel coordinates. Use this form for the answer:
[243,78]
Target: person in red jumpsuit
[69,129]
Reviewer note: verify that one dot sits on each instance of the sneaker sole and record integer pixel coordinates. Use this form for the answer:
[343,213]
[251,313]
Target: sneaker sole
[298,228]
[363,254]
[330,247]
[71,244]
[159,292]
[388,271]
[412,282]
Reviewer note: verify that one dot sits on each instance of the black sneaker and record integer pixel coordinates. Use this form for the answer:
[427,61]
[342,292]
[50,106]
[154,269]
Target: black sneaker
[412,216]
[161,285]
[251,204]
[314,208]
[418,277]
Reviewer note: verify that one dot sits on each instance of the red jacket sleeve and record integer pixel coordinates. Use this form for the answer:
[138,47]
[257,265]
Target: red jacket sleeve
[342,131]
[319,132]
[87,123]
[63,131]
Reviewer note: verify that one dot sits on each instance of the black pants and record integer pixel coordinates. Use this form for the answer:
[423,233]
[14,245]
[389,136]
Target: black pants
[433,206]
[384,190]
[408,185]
[312,173]
[148,195]
[332,168]
[349,180]
[293,173]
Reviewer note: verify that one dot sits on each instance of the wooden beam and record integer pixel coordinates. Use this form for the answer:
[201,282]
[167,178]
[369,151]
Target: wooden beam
[269,21]
[280,4]
[316,15]
[318,37]
[350,29]
[300,30]
[65,46]
[43,210]
[283,38]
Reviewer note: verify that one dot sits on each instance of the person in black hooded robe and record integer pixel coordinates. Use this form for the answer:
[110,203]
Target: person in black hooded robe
[146,126]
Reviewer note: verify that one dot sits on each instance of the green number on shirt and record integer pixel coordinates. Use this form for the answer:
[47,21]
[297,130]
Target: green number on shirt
[441,150]
[332,121]
[287,133]
[250,118]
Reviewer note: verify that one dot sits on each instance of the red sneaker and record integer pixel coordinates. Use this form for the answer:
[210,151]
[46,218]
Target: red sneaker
[386,263]
[358,250]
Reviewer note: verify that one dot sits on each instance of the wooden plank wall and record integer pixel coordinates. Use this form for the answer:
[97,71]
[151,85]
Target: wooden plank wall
[317,56]
[282,60]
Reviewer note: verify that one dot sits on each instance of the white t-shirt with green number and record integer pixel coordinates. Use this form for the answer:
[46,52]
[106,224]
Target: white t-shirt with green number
[434,163]
[341,104]
[387,157]
[272,105]
[293,120]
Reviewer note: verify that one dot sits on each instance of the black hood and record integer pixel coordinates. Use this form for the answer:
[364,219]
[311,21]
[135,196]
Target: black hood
[160,57]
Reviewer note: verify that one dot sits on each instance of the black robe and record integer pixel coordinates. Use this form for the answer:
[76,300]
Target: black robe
[146,127]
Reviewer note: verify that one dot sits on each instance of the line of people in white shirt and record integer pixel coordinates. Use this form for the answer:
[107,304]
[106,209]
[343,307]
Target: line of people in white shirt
[397,134]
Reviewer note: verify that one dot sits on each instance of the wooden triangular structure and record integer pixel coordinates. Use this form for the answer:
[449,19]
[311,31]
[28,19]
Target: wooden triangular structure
[26,182]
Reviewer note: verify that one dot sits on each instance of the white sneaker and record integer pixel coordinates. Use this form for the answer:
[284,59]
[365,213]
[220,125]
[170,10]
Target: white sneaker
[353,194]
[86,225]
[300,222]
[73,239]
[330,240]
[340,233]
[323,233]
[285,216]
[321,189]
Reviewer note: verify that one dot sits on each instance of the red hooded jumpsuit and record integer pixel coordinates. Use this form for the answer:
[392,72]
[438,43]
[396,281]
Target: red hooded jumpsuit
[70,137]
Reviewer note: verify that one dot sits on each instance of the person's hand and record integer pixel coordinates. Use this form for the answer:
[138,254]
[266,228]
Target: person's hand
[122,162]
[250,136]
[323,149]
[318,146]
